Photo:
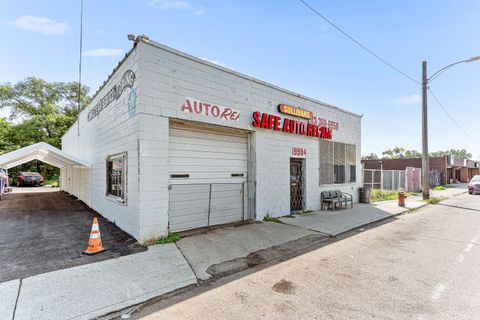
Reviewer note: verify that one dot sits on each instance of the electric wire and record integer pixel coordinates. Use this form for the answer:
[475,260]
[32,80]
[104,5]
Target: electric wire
[390,65]
[450,116]
[359,43]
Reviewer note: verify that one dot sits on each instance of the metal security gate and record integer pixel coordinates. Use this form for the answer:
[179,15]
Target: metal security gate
[296,184]
[200,205]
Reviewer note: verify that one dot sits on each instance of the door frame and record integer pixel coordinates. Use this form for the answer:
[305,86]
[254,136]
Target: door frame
[303,183]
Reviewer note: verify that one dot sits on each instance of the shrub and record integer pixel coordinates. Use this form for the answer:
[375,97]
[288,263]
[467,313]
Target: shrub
[435,200]
[383,195]
[170,238]
[268,218]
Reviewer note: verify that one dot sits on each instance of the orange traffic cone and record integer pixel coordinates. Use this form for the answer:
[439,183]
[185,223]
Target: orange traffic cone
[95,242]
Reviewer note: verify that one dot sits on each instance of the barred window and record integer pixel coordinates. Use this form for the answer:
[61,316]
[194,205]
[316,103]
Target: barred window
[337,162]
[326,162]
[351,162]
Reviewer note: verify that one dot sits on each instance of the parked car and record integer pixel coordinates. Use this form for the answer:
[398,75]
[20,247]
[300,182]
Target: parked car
[28,179]
[474,185]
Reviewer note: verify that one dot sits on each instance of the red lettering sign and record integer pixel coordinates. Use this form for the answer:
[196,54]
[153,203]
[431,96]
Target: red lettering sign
[272,122]
[210,110]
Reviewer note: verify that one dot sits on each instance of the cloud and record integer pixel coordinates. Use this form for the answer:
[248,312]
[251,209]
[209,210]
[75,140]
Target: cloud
[170,5]
[103,52]
[41,25]
[413,99]
[176,5]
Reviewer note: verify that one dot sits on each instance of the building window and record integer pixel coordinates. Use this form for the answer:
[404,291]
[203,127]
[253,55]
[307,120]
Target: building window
[351,162]
[337,162]
[117,176]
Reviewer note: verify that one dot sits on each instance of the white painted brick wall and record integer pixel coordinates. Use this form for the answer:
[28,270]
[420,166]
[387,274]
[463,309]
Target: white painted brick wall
[169,78]
[164,80]
[112,132]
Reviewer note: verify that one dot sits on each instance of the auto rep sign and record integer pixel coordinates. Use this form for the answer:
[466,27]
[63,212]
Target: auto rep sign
[272,122]
[210,110]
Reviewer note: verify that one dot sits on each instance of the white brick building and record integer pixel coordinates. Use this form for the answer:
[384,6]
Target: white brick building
[174,142]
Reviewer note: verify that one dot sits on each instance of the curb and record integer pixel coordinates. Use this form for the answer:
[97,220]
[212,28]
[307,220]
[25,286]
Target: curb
[406,211]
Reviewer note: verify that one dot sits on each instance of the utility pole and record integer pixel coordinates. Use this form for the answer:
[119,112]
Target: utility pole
[425,163]
[425,82]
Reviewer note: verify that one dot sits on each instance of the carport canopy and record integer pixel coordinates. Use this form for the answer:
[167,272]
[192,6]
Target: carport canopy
[40,151]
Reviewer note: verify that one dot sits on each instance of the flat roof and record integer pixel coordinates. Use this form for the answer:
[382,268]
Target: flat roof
[146,40]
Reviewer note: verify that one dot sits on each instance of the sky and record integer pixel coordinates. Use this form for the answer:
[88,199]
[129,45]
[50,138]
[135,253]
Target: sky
[283,43]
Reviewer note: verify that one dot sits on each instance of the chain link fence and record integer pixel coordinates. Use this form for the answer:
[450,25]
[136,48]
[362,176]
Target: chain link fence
[383,179]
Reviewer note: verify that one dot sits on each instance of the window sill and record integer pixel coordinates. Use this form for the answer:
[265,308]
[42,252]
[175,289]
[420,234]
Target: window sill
[116,199]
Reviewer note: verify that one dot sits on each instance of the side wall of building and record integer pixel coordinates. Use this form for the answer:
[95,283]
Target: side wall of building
[116,129]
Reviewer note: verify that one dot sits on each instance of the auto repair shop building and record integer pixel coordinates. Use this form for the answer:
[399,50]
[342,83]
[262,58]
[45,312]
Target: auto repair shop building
[174,142]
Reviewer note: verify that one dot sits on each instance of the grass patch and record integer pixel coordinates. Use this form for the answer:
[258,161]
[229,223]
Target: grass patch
[170,238]
[449,186]
[378,195]
[435,200]
[53,183]
[269,218]
[438,188]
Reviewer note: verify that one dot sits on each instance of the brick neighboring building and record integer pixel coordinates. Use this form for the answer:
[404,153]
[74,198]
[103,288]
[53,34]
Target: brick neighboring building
[453,169]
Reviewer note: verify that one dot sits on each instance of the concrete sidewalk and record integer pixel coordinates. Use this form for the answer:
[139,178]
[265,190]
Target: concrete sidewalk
[458,189]
[227,244]
[336,222]
[95,289]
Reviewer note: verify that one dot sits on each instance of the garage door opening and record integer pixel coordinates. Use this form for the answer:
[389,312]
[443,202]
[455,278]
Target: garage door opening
[208,168]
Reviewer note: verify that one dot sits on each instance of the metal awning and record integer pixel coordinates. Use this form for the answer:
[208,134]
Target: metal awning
[40,151]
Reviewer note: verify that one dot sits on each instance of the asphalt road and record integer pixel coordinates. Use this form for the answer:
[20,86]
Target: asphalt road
[424,265]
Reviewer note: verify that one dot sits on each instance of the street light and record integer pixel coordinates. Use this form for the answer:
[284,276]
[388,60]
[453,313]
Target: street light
[425,82]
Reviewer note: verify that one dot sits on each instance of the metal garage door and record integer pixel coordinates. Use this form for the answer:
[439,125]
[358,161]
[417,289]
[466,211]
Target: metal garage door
[208,174]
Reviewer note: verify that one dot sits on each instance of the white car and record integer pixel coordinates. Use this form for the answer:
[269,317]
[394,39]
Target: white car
[474,185]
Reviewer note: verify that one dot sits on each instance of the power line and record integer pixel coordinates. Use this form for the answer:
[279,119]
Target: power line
[360,44]
[451,118]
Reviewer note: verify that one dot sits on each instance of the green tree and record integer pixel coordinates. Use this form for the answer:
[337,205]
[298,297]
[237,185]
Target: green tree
[399,152]
[412,154]
[460,153]
[370,156]
[44,110]
[395,153]
[40,112]
[8,140]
